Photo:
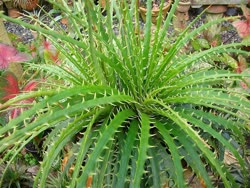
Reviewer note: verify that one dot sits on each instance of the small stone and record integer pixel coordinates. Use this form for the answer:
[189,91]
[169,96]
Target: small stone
[33,170]
[232,11]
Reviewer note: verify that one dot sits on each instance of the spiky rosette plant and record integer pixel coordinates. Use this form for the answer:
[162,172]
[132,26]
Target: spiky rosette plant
[129,112]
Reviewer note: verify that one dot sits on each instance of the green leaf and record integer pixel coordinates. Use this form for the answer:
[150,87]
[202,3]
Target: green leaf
[173,149]
[228,60]
[126,153]
[142,150]
[191,154]
[199,44]
[208,129]
[105,137]
[246,41]
[56,147]
[155,165]
[183,124]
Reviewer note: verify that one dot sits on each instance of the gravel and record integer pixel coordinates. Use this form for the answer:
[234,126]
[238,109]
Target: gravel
[25,34]
[228,33]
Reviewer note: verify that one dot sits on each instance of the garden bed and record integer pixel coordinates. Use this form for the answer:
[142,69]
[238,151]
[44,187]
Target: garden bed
[72,121]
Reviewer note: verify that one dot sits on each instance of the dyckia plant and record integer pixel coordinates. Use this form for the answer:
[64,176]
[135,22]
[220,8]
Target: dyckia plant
[130,113]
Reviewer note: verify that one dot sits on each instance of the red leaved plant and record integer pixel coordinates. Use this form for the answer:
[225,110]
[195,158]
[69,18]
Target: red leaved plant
[9,54]
[50,52]
[47,51]
[243,29]
[243,68]
[243,26]
[9,89]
